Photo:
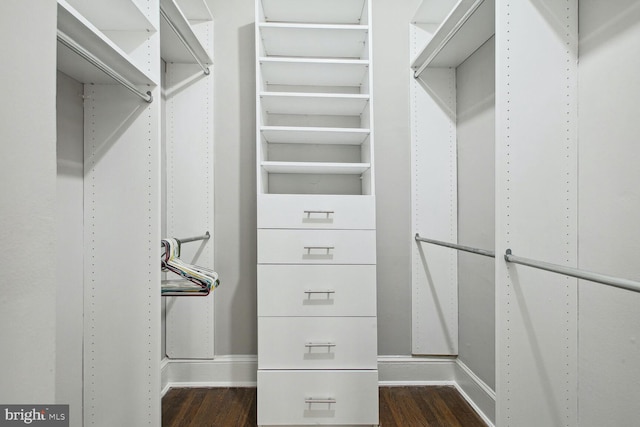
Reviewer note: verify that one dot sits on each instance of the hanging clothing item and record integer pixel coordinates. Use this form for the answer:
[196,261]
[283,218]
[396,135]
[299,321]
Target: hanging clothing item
[198,280]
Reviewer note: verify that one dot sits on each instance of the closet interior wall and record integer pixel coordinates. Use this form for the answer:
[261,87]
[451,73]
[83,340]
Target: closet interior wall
[475,101]
[28,208]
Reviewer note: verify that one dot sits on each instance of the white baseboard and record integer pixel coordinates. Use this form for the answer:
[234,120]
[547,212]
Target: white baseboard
[416,370]
[241,371]
[223,371]
[475,391]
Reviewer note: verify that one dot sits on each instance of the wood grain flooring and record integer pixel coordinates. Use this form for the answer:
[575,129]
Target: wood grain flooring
[440,406]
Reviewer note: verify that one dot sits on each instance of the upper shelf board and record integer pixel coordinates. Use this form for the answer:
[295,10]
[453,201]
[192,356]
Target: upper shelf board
[112,15]
[316,168]
[83,32]
[315,11]
[172,49]
[433,11]
[467,27]
[310,135]
[316,41]
[313,103]
[314,72]
[195,10]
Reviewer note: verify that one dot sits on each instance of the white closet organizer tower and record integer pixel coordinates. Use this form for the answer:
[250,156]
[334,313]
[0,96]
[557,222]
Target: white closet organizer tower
[317,326]
[111,367]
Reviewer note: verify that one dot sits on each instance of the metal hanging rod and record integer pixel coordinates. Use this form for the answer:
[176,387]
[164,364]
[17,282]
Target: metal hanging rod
[89,57]
[206,236]
[617,282]
[448,37]
[483,252]
[183,40]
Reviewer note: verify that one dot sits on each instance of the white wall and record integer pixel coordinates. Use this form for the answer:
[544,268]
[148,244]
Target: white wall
[393,172]
[609,200]
[235,188]
[235,180]
[27,204]
[475,82]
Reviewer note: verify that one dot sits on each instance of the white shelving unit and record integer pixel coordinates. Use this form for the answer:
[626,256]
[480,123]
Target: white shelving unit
[82,30]
[467,26]
[333,12]
[302,135]
[315,41]
[172,48]
[121,149]
[316,167]
[316,210]
[445,34]
[321,74]
[317,104]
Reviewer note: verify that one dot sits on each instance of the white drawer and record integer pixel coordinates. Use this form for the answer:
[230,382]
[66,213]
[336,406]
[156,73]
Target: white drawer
[317,397]
[317,343]
[316,290]
[316,246]
[316,211]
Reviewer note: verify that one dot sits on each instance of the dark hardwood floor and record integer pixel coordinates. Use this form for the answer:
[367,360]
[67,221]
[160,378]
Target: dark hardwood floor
[440,406]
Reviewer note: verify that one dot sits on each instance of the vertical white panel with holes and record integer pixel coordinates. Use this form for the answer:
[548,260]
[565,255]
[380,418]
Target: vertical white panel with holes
[188,94]
[536,211]
[121,274]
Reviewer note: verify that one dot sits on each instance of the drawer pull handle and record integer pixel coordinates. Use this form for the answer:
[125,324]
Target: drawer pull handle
[328,292]
[312,400]
[319,248]
[327,213]
[319,344]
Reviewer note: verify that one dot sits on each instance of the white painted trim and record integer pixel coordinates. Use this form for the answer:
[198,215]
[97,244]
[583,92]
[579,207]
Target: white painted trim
[393,371]
[476,392]
[222,371]
[415,370]
[164,384]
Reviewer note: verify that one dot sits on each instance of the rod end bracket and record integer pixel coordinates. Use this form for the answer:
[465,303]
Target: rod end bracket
[507,254]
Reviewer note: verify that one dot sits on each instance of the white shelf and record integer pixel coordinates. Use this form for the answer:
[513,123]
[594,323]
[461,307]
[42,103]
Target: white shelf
[297,135]
[112,15]
[314,41]
[433,11]
[467,27]
[83,32]
[314,72]
[172,49]
[316,168]
[195,10]
[315,11]
[313,103]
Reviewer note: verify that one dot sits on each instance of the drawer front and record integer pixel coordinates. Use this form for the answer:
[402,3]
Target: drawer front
[314,398]
[317,343]
[316,246]
[317,211]
[316,290]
